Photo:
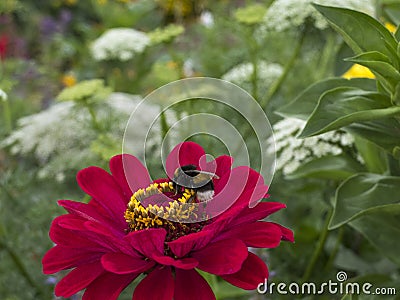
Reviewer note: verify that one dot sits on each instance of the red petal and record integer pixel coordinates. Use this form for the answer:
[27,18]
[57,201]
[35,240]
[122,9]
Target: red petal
[149,242]
[258,235]
[191,285]
[253,272]
[130,173]
[88,212]
[224,165]
[108,286]
[186,263]
[239,188]
[222,257]
[97,233]
[78,279]
[70,238]
[158,285]
[61,258]
[120,263]
[183,245]
[287,234]
[186,153]
[259,212]
[102,187]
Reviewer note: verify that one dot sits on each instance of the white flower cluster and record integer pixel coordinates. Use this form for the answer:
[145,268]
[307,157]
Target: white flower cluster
[61,137]
[241,74]
[293,152]
[286,14]
[120,44]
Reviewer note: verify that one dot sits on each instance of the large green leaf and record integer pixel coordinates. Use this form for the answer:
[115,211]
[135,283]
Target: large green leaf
[362,194]
[379,63]
[360,31]
[303,105]
[381,227]
[342,106]
[374,157]
[337,167]
[384,133]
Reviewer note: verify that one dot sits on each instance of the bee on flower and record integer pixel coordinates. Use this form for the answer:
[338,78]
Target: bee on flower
[134,226]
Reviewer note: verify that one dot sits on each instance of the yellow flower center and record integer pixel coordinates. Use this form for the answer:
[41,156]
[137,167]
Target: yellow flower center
[168,215]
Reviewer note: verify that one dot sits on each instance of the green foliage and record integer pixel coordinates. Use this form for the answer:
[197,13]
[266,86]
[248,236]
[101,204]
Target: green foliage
[342,106]
[358,187]
[367,202]
[166,34]
[85,92]
[250,15]
[337,167]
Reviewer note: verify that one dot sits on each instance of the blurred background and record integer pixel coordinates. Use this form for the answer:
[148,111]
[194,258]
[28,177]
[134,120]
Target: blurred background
[72,71]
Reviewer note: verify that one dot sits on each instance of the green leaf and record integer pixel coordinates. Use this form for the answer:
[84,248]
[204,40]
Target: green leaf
[342,106]
[341,65]
[384,132]
[337,167]
[381,228]
[379,63]
[302,106]
[360,31]
[361,194]
[375,159]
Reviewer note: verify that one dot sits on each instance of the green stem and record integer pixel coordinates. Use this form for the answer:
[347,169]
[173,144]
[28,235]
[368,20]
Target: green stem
[21,268]
[319,249]
[254,77]
[95,121]
[326,55]
[7,116]
[278,83]
[335,249]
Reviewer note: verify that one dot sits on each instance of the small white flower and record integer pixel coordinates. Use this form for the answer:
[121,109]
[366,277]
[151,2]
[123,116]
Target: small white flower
[119,43]
[285,14]
[293,152]
[207,19]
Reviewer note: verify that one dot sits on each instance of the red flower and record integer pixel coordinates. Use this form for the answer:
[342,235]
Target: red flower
[3,46]
[115,238]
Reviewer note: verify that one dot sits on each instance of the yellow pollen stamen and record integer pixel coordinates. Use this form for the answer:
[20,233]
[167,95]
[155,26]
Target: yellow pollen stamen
[168,216]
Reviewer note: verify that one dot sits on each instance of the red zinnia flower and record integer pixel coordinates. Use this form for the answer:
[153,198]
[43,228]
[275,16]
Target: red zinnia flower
[114,238]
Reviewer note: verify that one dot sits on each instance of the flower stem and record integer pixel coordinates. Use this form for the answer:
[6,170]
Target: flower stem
[21,268]
[95,122]
[318,249]
[335,249]
[278,83]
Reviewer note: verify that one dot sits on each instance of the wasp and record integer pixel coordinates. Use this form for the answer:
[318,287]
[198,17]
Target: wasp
[200,181]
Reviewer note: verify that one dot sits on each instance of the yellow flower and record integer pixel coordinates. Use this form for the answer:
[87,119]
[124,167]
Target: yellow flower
[358,71]
[389,26]
[70,2]
[68,80]
[177,7]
